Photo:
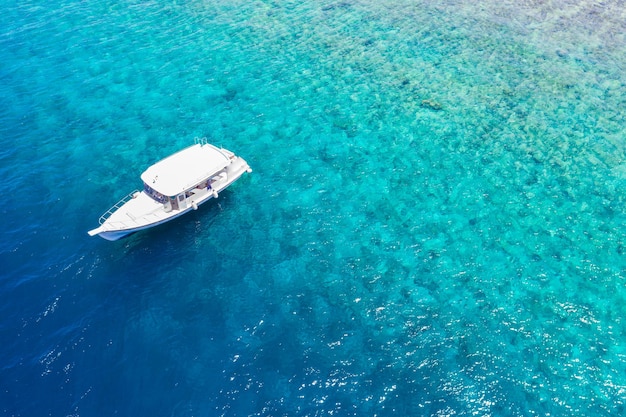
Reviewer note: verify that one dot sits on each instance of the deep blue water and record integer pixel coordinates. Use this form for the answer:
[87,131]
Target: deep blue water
[435,223]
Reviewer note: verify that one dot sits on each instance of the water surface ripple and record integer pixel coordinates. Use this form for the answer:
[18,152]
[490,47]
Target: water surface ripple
[434,224]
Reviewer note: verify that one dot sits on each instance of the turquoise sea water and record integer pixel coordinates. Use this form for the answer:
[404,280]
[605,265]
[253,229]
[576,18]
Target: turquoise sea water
[435,223]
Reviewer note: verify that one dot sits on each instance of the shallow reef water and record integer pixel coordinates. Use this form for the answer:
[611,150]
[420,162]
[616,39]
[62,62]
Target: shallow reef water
[434,224]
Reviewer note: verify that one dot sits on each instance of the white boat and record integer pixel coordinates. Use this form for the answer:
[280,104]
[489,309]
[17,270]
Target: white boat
[172,187]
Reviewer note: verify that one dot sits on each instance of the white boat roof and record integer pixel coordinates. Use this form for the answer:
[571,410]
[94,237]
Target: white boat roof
[185,169]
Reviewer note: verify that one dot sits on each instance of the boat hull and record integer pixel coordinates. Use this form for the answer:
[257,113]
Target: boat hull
[113,236]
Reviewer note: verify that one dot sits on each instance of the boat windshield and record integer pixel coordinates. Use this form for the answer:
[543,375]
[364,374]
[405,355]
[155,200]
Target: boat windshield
[155,195]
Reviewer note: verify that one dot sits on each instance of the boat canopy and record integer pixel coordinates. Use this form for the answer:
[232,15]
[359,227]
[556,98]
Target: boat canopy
[185,169]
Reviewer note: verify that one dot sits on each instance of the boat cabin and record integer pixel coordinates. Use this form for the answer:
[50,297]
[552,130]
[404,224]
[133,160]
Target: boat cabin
[184,177]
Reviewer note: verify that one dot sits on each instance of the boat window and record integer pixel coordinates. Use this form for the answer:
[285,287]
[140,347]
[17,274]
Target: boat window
[155,195]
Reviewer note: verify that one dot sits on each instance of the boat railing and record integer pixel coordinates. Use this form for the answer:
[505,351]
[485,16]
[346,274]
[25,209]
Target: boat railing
[116,206]
[204,142]
[200,141]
